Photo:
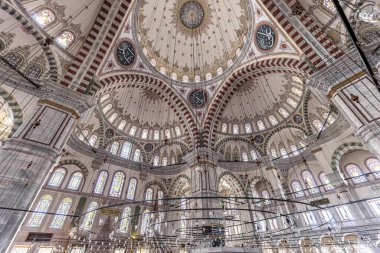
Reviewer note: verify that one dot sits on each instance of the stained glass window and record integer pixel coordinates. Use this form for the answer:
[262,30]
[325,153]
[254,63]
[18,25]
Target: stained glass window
[101,182]
[113,117]
[244,157]
[160,197]
[167,134]
[273,120]
[136,155]
[283,112]
[273,152]
[248,128]
[373,165]
[296,79]
[75,181]
[156,135]
[105,97]
[78,249]
[20,249]
[114,148]
[309,181]
[355,173]
[145,222]
[126,150]
[83,134]
[144,134]
[253,155]
[344,213]
[164,161]
[62,210]
[296,91]
[117,184]
[235,129]
[224,128]
[132,189]
[297,189]
[149,195]
[375,206]
[325,181]
[318,124]
[44,17]
[33,71]
[173,160]
[125,218]
[14,59]
[291,102]
[284,153]
[89,217]
[6,120]
[57,177]
[260,125]
[122,124]
[107,108]
[177,131]
[156,160]
[46,250]
[120,250]
[40,210]
[294,149]
[265,195]
[132,131]
[92,140]
[329,6]
[65,39]
[331,118]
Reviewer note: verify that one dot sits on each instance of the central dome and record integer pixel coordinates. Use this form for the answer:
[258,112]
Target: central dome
[191,14]
[193,41]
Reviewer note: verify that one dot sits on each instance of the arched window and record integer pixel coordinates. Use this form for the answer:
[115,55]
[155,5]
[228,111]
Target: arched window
[329,6]
[294,149]
[6,120]
[177,131]
[375,206]
[296,79]
[33,71]
[344,213]
[167,134]
[125,218]
[44,17]
[122,125]
[113,117]
[244,157]
[136,155]
[235,129]
[89,217]
[75,181]
[105,97]
[144,222]
[160,197]
[254,155]
[283,112]
[224,128]
[291,102]
[83,134]
[101,182]
[330,120]
[248,128]
[114,148]
[273,120]
[325,181]
[57,177]
[92,140]
[165,161]
[318,125]
[132,131]
[284,153]
[260,125]
[173,160]
[296,91]
[149,195]
[310,218]
[40,210]
[355,173]
[309,181]
[126,150]
[107,108]
[65,39]
[132,188]
[144,134]
[297,189]
[156,135]
[156,160]
[373,165]
[14,59]
[265,195]
[117,184]
[273,153]
[62,210]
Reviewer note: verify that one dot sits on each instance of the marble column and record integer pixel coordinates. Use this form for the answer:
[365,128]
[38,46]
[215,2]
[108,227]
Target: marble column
[26,159]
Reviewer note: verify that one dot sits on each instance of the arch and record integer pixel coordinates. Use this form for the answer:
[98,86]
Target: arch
[238,185]
[340,151]
[228,88]
[157,183]
[177,187]
[77,163]
[122,140]
[258,179]
[16,110]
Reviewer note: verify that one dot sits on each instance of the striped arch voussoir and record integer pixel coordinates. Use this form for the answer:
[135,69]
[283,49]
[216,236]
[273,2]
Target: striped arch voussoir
[75,162]
[234,178]
[341,150]
[174,186]
[16,110]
